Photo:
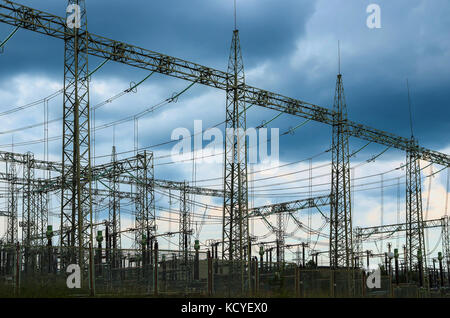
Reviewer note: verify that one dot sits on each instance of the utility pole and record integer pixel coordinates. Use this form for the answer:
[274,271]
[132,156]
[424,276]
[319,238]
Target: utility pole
[405,253]
[435,279]
[396,266]
[441,271]
[304,253]
[390,256]
[368,259]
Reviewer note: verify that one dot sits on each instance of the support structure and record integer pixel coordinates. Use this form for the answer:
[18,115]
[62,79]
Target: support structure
[235,222]
[415,238]
[114,237]
[145,202]
[76,205]
[41,217]
[28,223]
[12,229]
[446,243]
[280,238]
[185,226]
[75,180]
[341,250]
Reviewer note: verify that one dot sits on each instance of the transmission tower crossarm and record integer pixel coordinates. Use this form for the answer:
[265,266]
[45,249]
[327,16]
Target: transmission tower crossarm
[290,206]
[367,232]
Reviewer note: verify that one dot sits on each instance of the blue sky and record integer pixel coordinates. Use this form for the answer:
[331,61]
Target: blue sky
[289,47]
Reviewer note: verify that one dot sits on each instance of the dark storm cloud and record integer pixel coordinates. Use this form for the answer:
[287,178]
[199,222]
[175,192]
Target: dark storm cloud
[295,44]
[196,30]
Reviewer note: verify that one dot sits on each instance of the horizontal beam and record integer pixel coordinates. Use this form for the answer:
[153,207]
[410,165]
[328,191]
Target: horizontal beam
[291,206]
[38,21]
[122,170]
[366,232]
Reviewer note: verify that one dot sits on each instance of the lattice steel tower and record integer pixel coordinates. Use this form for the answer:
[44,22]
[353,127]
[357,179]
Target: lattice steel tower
[114,211]
[235,227]
[12,228]
[235,222]
[184,225]
[145,201]
[341,250]
[76,205]
[280,237]
[28,222]
[415,238]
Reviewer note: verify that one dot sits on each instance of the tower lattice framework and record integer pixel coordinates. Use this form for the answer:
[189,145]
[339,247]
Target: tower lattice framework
[415,238]
[185,225]
[235,234]
[114,212]
[235,231]
[145,201]
[76,204]
[341,250]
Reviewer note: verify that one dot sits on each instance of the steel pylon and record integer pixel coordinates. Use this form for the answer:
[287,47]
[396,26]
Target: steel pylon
[341,249]
[114,227]
[415,238]
[12,228]
[76,204]
[235,234]
[185,225]
[145,203]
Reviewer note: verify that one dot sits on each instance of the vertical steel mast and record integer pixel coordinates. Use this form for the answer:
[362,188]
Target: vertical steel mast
[415,238]
[341,250]
[185,225]
[145,202]
[235,222]
[28,223]
[12,229]
[76,204]
[114,211]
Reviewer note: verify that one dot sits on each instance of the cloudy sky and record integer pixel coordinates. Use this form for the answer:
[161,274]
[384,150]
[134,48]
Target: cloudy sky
[289,47]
